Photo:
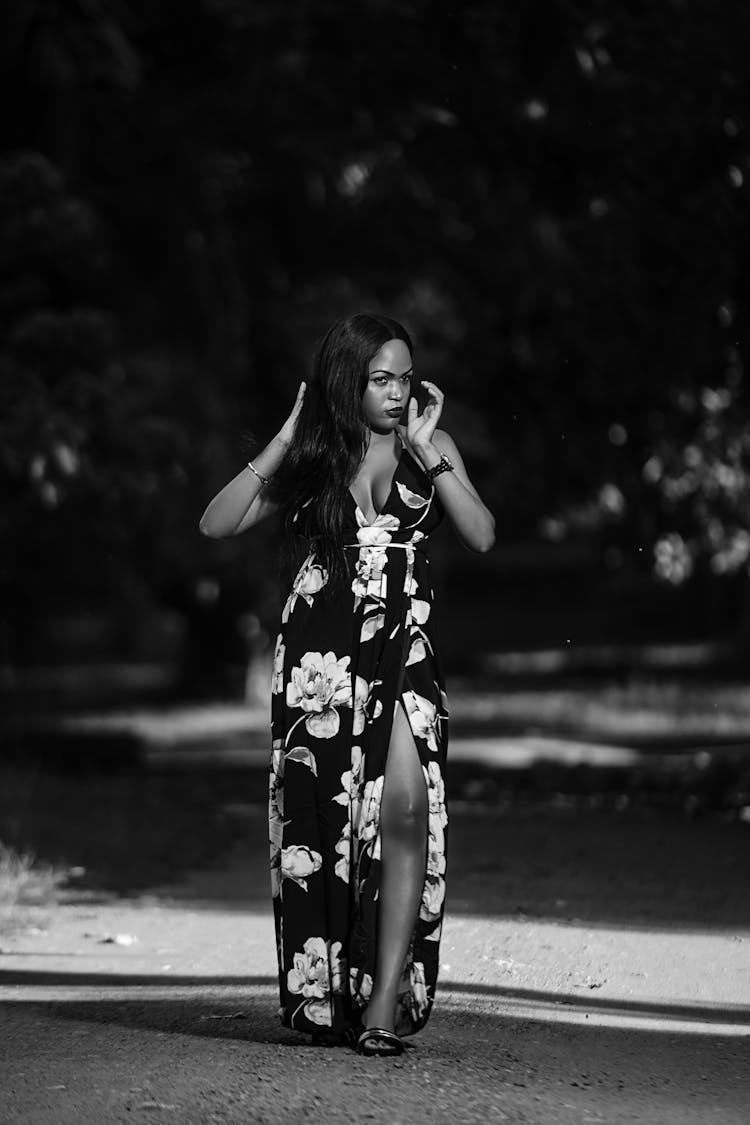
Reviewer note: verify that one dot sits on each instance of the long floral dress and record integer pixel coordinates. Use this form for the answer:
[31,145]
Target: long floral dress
[340,667]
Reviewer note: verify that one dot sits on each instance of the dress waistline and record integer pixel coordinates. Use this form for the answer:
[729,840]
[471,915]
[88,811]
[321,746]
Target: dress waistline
[386,546]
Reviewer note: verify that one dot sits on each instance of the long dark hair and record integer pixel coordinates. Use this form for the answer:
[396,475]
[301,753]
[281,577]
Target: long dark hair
[330,440]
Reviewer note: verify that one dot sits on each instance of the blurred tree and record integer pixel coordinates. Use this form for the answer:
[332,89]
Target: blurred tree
[554,199]
[85,440]
[702,478]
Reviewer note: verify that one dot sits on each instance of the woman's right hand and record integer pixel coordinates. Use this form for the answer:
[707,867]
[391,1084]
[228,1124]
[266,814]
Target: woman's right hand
[286,433]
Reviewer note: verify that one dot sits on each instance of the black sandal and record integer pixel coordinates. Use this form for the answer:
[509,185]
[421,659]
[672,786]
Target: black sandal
[389,1042]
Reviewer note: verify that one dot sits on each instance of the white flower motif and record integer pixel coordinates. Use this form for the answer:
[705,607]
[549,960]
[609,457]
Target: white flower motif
[370,574]
[367,827]
[433,896]
[370,626]
[379,532]
[318,973]
[411,499]
[422,717]
[309,977]
[418,982]
[351,783]
[319,1012]
[437,820]
[276,814]
[436,791]
[343,849]
[303,755]
[362,695]
[299,861]
[311,577]
[420,611]
[337,966]
[413,997]
[351,796]
[276,792]
[319,686]
[435,847]
[364,992]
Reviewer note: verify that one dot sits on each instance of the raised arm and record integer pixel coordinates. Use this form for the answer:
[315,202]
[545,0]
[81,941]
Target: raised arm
[241,503]
[471,518]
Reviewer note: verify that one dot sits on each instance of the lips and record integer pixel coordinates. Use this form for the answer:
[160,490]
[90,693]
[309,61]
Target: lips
[395,411]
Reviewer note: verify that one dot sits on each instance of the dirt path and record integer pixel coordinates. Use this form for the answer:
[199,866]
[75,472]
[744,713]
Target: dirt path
[594,968]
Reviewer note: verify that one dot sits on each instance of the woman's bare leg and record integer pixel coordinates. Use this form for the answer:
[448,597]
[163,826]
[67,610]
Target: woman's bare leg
[403,828]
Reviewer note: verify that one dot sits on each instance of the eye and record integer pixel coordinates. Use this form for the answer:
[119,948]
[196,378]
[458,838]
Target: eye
[406,378]
[380,380]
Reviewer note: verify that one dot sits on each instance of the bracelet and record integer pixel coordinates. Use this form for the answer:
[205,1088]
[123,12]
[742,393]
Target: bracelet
[263,480]
[443,466]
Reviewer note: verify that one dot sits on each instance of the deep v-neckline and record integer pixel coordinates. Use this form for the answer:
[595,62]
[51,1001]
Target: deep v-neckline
[371,523]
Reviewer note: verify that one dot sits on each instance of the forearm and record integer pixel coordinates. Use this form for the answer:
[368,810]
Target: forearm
[230,507]
[473,522]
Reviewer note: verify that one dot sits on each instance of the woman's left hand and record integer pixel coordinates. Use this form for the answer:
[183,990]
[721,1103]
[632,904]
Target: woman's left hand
[421,427]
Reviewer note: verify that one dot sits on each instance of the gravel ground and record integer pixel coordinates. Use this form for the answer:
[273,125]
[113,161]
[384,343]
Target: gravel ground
[595,969]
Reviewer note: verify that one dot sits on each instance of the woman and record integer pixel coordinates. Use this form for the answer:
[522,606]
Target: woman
[359,720]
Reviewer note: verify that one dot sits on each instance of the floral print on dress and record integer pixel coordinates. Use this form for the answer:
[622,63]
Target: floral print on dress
[433,892]
[413,998]
[423,718]
[345,657]
[298,862]
[370,575]
[318,973]
[320,686]
[277,681]
[310,580]
[411,499]
[368,827]
[276,814]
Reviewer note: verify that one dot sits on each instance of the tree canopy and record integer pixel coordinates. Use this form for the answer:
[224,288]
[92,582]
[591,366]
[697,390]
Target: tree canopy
[553,198]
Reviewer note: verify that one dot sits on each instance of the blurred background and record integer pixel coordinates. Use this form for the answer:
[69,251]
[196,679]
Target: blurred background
[553,198]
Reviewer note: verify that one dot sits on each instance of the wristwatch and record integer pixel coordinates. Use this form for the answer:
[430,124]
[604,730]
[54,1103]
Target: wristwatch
[443,466]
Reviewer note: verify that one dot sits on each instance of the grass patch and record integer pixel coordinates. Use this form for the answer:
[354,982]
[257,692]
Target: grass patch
[119,832]
[25,883]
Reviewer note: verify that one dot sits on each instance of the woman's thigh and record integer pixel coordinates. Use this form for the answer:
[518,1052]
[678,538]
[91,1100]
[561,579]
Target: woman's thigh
[404,802]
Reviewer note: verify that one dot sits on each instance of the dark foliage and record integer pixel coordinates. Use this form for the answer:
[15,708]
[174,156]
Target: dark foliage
[553,199]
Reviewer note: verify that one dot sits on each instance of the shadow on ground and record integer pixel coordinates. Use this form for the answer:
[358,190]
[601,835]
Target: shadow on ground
[195,1055]
[593,861]
[256,994]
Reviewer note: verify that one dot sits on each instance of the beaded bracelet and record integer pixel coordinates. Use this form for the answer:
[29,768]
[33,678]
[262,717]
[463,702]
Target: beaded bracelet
[263,480]
[443,466]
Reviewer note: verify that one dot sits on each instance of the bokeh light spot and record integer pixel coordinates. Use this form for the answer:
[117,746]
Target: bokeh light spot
[536,109]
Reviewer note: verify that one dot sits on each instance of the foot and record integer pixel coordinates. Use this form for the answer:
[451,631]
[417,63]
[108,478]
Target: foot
[379,1041]
[378,1031]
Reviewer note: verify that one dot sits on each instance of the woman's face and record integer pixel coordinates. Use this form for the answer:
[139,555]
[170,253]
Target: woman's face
[388,386]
